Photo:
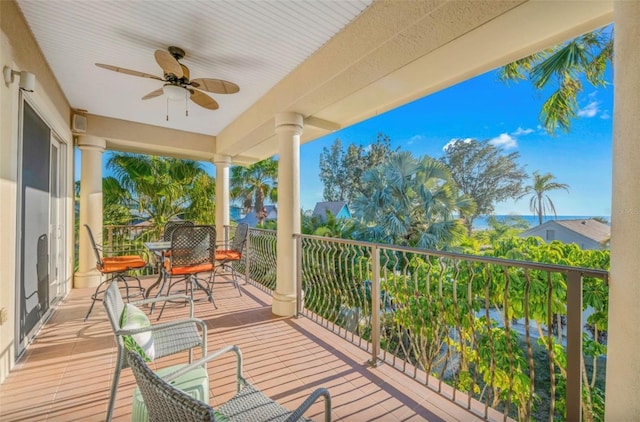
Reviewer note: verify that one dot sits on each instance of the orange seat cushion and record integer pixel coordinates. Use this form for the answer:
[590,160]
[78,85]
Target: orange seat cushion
[228,255]
[115,264]
[190,269]
[123,258]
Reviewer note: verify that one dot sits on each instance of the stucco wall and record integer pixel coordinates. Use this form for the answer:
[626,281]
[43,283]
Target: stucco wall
[19,51]
[562,234]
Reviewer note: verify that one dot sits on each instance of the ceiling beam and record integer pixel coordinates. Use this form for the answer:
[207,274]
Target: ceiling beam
[126,136]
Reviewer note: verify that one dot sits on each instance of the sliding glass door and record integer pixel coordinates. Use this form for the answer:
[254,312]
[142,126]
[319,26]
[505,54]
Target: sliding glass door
[40,232]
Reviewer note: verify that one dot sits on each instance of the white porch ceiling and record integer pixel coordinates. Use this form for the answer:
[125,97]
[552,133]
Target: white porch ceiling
[337,62]
[254,44]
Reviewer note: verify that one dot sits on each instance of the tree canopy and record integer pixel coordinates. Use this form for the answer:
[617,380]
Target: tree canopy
[410,201]
[341,171]
[158,189]
[254,184]
[483,172]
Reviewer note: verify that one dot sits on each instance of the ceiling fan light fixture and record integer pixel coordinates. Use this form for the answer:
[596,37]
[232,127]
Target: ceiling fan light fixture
[174,92]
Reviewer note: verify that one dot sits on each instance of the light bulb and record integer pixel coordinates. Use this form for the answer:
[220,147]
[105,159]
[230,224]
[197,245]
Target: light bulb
[174,92]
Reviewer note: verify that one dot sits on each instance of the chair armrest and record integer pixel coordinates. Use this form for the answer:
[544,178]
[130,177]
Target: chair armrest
[235,349]
[320,392]
[164,325]
[166,299]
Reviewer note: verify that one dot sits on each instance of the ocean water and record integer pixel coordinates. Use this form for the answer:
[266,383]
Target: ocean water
[481,223]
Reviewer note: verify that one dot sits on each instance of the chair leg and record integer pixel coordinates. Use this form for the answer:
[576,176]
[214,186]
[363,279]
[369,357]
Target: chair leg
[207,290]
[140,290]
[169,294]
[114,385]
[94,296]
[164,276]
[234,277]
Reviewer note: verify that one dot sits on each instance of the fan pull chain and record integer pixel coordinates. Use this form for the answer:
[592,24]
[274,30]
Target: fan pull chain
[186,103]
[167,109]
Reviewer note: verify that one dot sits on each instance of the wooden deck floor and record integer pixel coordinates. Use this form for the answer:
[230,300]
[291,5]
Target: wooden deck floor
[65,374]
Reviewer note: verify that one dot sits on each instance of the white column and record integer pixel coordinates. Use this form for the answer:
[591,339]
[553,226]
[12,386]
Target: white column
[623,363]
[288,130]
[90,209]
[222,163]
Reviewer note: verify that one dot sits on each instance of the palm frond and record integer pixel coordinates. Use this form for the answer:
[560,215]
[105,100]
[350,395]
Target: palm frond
[561,106]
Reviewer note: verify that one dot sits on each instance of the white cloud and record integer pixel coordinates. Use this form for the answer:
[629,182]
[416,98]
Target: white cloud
[590,110]
[505,141]
[415,138]
[521,131]
[453,141]
[367,149]
[605,115]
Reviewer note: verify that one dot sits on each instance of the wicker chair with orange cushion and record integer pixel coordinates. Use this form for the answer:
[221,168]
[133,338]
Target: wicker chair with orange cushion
[115,268]
[226,258]
[193,251]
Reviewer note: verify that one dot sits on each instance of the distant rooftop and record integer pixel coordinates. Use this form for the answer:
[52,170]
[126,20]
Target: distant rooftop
[587,227]
[590,228]
[334,207]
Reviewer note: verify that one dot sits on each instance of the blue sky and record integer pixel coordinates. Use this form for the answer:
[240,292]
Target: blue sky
[485,108]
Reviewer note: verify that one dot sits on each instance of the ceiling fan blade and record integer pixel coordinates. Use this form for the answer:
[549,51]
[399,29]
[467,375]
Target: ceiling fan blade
[153,94]
[127,71]
[217,86]
[168,63]
[203,100]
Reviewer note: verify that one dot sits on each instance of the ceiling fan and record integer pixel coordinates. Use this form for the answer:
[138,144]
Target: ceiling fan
[178,84]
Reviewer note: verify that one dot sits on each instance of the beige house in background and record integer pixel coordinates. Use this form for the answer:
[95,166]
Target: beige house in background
[586,233]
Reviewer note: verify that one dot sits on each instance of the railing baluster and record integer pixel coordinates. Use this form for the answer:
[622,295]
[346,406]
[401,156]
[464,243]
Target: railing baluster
[298,276]
[247,258]
[574,346]
[375,305]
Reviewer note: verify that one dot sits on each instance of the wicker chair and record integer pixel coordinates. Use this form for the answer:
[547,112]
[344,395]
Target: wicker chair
[225,258]
[193,251]
[114,268]
[166,403]
[165,339]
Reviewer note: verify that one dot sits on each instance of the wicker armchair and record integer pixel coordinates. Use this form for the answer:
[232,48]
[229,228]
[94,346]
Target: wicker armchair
[157,340]
[166,403]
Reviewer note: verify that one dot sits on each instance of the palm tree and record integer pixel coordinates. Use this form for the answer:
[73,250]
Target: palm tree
[115,204]
[409,201]
[201,197]
[540,203]
[252,185]
[159,188]
[564,65]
